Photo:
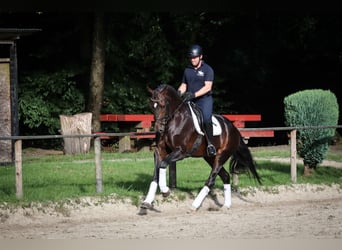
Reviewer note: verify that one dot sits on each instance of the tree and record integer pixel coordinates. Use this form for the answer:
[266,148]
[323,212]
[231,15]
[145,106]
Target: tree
[97,71]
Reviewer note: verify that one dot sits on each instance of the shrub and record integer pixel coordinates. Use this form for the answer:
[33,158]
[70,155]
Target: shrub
[313,107]
[43,97]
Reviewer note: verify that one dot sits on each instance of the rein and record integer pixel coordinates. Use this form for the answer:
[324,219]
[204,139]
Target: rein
[165,119]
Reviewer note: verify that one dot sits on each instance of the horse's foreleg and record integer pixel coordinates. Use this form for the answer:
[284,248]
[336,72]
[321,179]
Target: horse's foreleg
[172,157]
[227,195]
[158,179]
[147,203]
[164,189]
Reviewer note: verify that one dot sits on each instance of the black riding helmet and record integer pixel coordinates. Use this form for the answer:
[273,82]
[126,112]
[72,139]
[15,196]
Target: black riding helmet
[194,51]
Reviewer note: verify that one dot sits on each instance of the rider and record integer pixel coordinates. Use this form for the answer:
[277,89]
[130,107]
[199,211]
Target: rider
[196,85]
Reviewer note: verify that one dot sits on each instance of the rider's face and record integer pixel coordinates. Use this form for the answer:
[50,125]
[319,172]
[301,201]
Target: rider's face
[195,61]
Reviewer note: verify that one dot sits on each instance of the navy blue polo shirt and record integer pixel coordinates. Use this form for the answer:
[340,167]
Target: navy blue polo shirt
[195,78]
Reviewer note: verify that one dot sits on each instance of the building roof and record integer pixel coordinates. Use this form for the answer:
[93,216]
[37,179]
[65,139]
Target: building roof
[10,34]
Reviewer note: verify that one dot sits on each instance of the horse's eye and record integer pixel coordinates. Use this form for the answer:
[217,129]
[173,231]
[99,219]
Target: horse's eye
[155,105]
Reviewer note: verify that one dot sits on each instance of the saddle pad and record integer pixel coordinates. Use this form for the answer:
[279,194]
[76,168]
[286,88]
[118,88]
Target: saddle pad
[217,130]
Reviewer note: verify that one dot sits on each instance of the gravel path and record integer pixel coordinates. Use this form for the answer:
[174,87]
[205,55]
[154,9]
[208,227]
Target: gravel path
[283,212]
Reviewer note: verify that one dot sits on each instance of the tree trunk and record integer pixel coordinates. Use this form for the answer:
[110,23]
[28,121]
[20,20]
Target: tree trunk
[97,71]
[79,124]
[308,171]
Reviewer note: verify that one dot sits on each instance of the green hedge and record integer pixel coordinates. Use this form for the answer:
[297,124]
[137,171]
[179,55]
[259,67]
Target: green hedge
[312,107]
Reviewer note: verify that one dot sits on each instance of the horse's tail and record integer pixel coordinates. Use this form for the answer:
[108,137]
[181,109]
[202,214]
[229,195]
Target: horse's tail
[242,160]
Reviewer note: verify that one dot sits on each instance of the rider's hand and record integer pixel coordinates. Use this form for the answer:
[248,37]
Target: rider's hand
[188,96]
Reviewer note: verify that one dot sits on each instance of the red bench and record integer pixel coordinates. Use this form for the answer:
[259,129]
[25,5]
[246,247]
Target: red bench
[144,124]
[239,122]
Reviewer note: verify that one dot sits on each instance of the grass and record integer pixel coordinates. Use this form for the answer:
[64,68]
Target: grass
[334,153]
[59,177]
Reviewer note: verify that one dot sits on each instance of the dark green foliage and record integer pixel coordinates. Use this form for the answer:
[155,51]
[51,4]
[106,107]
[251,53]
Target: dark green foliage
[248,53]
[313,107]
[45,96]
[124,99]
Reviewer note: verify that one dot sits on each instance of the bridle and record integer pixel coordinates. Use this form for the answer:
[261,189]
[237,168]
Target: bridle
[164,120]
[161,122]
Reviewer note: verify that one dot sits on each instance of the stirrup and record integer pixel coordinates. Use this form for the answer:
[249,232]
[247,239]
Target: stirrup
[211,150]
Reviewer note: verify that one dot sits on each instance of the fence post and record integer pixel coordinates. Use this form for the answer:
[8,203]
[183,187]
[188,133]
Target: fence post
[293,156]
[18,169]
[173,175]
[124,143]
[235,179]
[98,168]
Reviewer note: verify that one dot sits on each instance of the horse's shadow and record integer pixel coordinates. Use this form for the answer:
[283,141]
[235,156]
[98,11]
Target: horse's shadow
[142,180]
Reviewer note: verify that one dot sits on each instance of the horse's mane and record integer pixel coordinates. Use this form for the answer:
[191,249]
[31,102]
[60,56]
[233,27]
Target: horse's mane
[161,86]
[170,89]
[164,85]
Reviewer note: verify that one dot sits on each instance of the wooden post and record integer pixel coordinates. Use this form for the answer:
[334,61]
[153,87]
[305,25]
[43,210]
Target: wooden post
[18,169]
[172,175]
[124,143]
[141,144]
[235,179]
[75,125]
[293,156]
[98,167]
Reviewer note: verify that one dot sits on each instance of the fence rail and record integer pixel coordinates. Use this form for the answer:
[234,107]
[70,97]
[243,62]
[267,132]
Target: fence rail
[97,150]
[39,137]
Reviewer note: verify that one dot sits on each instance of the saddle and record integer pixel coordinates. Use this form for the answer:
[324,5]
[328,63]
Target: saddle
[197,118]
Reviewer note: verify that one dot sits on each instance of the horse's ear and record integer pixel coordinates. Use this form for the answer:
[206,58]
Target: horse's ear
[149,89]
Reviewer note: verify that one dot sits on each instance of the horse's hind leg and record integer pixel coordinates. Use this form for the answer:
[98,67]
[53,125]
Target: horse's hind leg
[225,177]
[200,197]
[205,190]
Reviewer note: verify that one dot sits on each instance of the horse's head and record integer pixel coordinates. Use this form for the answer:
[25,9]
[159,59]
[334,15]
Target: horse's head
[164,102]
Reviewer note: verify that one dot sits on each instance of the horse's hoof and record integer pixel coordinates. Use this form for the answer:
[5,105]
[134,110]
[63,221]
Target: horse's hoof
[142,211]
[146,205]
[166,194]
[226,206]
[192,210]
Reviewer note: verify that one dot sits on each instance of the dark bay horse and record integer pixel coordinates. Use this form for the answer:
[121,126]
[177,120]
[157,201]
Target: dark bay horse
[177,138]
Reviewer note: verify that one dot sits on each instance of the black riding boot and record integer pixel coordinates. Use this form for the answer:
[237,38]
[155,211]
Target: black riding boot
[211,150]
